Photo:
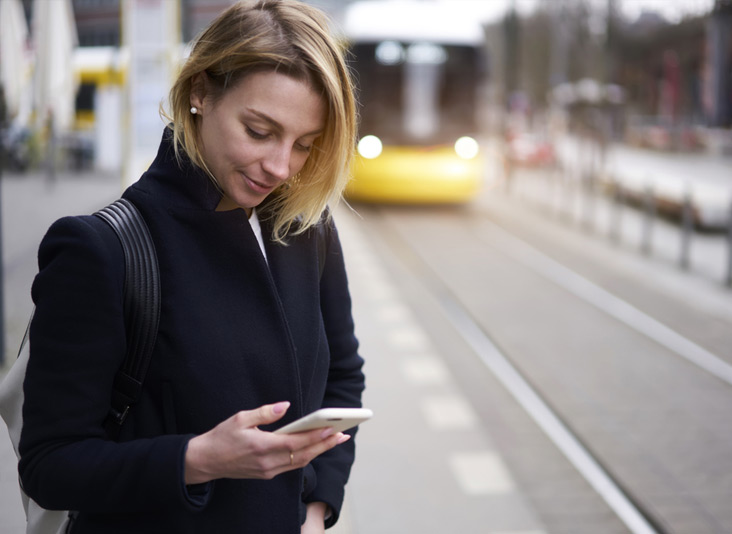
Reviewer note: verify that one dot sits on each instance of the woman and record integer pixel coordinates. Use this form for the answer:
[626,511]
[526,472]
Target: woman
[253,333]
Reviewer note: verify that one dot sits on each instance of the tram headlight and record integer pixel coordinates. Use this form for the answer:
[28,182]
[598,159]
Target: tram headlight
[466,147]
[370,147]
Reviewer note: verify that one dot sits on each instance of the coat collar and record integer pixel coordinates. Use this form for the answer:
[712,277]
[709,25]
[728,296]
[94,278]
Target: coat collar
[186,185]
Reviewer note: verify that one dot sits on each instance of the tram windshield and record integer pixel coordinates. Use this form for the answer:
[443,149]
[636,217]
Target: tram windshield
[417,92]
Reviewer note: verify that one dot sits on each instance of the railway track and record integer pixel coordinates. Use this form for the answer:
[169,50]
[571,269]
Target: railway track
[420,240]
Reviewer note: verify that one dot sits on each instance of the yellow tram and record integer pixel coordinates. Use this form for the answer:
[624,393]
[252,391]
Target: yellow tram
[419,69]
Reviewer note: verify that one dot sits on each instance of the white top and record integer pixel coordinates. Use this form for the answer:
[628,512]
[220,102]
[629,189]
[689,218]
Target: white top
[257,229]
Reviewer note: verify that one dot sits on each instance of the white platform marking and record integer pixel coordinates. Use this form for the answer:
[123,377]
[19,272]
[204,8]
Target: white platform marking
[408,338]
[448,412]
[394,312]
[425,371]
[381,291]
[481,473]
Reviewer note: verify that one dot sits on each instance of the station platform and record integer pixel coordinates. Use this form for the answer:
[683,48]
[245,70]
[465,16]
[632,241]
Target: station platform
[426,462]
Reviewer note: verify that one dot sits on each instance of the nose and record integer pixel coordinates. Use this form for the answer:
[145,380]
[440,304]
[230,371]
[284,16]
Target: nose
[277,162]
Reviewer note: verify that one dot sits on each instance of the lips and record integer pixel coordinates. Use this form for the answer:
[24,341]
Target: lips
[257,186]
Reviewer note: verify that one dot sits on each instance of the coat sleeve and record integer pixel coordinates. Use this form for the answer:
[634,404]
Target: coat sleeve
[77,342]
[345,377]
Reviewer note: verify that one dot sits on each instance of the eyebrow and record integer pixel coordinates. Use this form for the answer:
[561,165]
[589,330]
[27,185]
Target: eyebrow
[276,125]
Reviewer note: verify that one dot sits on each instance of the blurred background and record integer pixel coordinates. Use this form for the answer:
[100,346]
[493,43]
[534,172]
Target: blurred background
[538,232]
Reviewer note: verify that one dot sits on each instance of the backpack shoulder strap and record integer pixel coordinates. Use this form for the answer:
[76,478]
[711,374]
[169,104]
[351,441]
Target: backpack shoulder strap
[141,307]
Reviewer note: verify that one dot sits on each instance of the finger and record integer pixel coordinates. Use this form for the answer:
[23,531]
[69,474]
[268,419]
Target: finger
[304,456]
[302,440]
[299,458]
[264,415]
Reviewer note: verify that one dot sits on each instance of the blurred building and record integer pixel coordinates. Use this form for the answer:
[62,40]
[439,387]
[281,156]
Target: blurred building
[101,67]
[718,62]
[99,24]
[675,77]
[661,67]
[678,78]
[98,21]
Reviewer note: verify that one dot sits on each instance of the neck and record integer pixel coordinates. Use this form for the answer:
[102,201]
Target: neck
[226,204]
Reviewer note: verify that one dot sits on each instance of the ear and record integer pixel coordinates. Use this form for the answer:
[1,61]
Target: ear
[198,90]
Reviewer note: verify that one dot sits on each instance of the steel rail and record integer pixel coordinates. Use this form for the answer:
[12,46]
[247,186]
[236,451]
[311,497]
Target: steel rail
[625,507]
[609,303]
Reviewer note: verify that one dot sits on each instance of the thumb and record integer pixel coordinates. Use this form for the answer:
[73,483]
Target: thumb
[269,413]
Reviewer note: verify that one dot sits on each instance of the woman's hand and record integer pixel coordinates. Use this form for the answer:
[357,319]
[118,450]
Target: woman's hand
[236,448]
[315,520]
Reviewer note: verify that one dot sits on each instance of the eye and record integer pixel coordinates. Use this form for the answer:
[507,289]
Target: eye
[254,134]
[303,148]
[306,144]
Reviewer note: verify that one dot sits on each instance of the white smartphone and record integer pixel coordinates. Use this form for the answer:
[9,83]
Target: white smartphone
[339,419]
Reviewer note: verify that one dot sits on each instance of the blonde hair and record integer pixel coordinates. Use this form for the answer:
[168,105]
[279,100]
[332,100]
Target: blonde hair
[292,38]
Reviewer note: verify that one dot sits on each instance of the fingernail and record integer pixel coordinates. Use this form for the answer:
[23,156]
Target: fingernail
[344,438]
[327,432]
[280,407]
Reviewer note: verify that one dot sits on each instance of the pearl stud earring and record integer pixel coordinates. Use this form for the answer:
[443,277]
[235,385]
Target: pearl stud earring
[194,110]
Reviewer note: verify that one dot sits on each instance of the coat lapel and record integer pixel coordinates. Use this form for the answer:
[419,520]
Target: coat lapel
[295,273]
[290,273]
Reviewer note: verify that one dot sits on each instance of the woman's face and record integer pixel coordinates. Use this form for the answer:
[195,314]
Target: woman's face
[258,134]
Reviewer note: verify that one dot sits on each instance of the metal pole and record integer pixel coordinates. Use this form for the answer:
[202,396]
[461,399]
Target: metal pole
[650,212]
[617,212]
[564,195]
[589,200]
[687,226]
[2,270]
[508,170]
[558,190]
[729,247]
[51,149]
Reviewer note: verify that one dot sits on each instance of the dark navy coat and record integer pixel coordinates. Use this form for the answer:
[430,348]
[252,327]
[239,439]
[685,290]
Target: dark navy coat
[235,332]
